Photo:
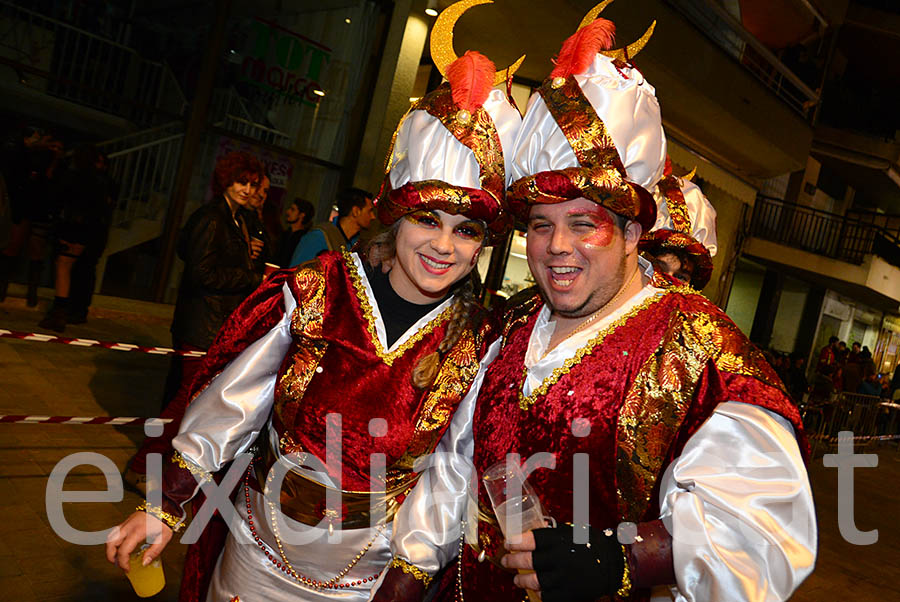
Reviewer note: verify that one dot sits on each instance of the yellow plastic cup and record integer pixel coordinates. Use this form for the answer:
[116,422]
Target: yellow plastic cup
[146,580]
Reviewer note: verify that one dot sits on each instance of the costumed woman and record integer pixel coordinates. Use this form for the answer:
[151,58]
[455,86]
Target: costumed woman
[374,349]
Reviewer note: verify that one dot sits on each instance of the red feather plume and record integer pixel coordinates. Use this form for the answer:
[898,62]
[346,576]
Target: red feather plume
[471,78]
[579,49]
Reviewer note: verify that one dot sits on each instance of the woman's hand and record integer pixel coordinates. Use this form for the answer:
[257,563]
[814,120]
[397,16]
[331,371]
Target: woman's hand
[136,529]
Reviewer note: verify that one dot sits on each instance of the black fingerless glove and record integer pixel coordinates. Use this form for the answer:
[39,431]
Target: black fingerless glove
[570,572]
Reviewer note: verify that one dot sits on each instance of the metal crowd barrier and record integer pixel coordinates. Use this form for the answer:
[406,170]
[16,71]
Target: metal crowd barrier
[868,417]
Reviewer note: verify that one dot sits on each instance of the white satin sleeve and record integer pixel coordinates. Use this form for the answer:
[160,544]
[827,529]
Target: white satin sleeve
[739,506]
[226,417]
[427,526]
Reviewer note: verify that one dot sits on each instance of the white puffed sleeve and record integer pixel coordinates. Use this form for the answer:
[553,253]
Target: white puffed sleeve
[227,416]
[740,509]
[427,526]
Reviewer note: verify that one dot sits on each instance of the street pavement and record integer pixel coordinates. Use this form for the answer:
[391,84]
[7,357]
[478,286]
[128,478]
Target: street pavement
[50,379]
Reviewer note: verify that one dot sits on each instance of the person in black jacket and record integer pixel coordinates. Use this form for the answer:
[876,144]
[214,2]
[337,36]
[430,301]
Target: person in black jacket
[219,269]
[219,256]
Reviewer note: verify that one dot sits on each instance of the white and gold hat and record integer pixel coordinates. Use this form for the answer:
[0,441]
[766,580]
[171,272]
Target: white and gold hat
[685,222]
[448,150]
[593,129]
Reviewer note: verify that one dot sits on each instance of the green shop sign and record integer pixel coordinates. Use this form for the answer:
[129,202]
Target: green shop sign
[285,63]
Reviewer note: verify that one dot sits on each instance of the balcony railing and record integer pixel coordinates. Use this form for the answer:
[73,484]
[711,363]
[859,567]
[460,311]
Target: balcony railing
[842,237]
[728,33]
[77,65]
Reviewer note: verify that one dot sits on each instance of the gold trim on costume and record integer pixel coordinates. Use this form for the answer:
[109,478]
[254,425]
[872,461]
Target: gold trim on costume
[368,314]
[411,569]
[625,588]
[202,475]
[525,402]
[174,523]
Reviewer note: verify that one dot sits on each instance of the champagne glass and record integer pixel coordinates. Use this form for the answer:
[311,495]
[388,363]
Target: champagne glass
[516,505]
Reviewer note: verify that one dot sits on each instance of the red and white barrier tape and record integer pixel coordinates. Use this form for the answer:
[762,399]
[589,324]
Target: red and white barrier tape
[831,439]
[108,420]
[49,338]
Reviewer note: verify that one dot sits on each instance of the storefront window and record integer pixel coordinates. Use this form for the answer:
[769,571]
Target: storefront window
[517,275]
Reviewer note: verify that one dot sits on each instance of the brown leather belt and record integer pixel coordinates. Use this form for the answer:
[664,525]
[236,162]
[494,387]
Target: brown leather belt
[304,499]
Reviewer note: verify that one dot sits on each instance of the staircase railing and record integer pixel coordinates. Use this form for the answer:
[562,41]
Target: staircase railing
[144,165]
[229,112]
[85,68]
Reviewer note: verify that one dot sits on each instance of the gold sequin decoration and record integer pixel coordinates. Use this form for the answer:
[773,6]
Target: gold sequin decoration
[202,475]
[388,358]
[662,392]
[309,347]
[411,569]
[526,402]
[174,523]
[625,587]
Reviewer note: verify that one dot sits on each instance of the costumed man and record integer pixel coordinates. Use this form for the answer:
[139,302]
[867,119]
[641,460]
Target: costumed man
[682,242]
[384,355]
[655,409]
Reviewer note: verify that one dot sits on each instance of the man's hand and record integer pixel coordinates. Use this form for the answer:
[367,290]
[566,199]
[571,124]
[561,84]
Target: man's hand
[520,558]
[256,247]
[137,528]
[565,571]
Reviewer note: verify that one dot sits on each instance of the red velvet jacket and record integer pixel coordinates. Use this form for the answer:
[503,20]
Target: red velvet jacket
[336,365]
[643,386]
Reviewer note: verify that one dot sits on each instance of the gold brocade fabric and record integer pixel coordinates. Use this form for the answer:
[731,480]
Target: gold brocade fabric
[600,175]
[451,384]
[306,326]
[663,390]
[583,128]
[678,211]
[477,132]
[654,408]
[455,375]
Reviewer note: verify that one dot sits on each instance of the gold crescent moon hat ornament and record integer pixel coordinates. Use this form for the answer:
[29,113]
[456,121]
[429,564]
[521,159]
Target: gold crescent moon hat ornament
[442,52]
[690,177]
[628,52]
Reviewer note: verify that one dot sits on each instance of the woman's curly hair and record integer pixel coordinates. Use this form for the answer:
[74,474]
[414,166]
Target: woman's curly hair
[236,166]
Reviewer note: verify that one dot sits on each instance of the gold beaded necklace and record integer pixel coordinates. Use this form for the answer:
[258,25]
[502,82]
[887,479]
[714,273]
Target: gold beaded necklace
[285,565]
